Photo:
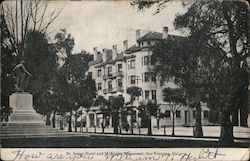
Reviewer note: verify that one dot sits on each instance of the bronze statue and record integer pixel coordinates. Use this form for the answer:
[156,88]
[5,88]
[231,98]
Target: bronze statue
[21,76]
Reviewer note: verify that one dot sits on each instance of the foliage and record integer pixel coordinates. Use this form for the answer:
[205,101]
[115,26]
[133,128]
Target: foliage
[7,65]
[41,60]
[223,25]
[175,98]
[75,87]
[64,40]
[5,113]
[147,111]
[111,108]
[186,62]
[116,105]
[134,91]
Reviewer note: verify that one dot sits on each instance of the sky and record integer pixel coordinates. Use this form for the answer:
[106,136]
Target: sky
[102,24]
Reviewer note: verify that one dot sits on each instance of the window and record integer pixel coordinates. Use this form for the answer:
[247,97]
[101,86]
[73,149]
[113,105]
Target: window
[153,94]
[205,114]
[178,114]
[132,79]
[146,77]
[167,113]
[99,72]
[109,85]
[109,70]
[132,64]
[99,86]
[146,60]
[146,94]
[149,42]
[119,82]
[119,67]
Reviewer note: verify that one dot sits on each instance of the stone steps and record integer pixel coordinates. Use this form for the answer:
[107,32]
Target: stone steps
[31,132]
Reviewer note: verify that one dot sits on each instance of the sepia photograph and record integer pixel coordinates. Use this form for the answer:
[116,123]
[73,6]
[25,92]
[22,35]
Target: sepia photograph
[140,75]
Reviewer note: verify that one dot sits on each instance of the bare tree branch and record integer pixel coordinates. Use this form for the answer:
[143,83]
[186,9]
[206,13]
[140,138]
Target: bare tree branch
[20,16]
[42,17]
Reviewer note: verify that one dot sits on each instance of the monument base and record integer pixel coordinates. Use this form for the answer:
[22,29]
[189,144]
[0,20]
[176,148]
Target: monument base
[23,112]
[24,121]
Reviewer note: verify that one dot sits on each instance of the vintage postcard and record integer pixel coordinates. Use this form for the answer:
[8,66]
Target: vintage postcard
[162,80]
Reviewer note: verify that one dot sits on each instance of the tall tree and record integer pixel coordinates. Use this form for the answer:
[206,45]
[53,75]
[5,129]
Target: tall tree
[77,87]
[21,16]
[148,110]
[105,108]
[41,60]
[87,92]
[134,92]
[186,62]
[116,105]
[225,25]
[175,98]
[7,65]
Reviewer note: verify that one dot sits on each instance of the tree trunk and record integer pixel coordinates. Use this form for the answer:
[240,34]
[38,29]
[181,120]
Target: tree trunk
[70,120]
[149,126]
[76,121]
[115,122]
[54,120]
[87,121]
[48,119]
[131,122]
[61,122]
[173,134]
[226,133]
[198,126]
[120,121]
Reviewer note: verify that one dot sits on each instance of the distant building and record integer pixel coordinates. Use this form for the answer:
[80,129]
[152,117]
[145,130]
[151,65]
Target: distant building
[114,72]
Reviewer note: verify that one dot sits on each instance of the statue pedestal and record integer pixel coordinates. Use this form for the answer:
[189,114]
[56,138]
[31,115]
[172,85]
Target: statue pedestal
[24,121]
[23,112]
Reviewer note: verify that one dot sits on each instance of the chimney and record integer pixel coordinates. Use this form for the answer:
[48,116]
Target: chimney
[114,52]
[95,53]
[104,54]
[164,32]
[125,45]
[137,34]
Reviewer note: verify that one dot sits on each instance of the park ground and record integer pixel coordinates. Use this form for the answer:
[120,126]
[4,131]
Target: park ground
[94,138]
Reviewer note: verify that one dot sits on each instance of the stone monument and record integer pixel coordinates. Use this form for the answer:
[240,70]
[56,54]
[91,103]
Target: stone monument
[21,101]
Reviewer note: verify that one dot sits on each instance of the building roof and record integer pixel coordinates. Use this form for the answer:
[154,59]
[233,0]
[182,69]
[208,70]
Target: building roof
[158,36]
[134,48]
[150,36]
[153,36]
[110,60]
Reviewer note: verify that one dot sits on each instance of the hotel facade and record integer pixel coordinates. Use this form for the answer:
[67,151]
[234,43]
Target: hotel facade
[114,72]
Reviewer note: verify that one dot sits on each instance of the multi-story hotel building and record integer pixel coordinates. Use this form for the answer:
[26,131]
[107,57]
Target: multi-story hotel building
[114,72]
